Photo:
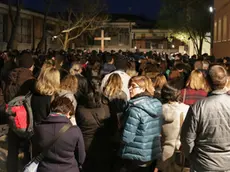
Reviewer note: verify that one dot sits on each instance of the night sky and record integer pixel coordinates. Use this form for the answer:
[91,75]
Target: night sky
[145,8]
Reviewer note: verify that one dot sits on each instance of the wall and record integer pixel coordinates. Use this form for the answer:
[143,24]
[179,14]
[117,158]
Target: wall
[221,41]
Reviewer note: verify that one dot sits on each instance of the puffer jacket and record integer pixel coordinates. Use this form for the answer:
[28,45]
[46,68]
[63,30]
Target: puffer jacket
[205,134]
[142,129]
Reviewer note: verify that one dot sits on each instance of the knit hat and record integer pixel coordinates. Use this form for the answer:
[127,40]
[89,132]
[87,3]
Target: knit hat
[25,60]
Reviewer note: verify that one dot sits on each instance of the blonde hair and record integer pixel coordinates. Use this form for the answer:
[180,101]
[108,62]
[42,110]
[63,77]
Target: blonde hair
[75,69]
[143,82]
[48,81]
[69,83]
[113,85]
[160,81]
[197,81]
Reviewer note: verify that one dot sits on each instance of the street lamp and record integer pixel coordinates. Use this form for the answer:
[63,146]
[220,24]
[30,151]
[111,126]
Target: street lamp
[211,9]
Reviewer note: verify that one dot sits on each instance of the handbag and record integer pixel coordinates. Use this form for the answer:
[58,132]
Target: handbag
[32,166]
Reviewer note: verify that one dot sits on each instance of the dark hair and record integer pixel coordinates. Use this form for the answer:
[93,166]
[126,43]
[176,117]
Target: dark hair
[62,105]
[170,93]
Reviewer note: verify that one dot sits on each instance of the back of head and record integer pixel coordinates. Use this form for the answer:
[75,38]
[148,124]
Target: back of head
[218,77]
[169,93]
[25,60]
[62,105]
[48,81]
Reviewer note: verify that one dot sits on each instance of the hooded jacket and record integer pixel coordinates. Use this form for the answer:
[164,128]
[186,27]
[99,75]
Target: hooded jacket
[142,129]
[67,153]
[19,82]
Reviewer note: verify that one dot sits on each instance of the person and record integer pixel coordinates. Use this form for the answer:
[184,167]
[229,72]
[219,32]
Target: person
[46,87]
[68,88]
[120,69]
[205,134]
[68,152]
[92,118]
[82,91]
[20,81]
[108,66]
[197,88]
[142,129]
[174,112]
[158,83]
[113,88]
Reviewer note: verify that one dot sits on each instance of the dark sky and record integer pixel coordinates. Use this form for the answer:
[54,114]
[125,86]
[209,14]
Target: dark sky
[147,8]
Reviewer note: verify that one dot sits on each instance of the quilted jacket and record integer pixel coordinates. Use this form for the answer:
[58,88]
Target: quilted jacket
[205,134]
[141,135]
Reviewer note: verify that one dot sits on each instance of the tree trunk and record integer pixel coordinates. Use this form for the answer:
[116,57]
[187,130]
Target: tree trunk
[200,46]
[41,43]
[66,41]
[14,22]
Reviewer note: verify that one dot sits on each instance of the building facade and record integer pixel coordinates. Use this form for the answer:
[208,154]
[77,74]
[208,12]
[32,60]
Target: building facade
[29,30]
[221,35]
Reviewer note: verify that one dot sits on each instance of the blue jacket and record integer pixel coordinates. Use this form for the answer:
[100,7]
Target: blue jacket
[142,129]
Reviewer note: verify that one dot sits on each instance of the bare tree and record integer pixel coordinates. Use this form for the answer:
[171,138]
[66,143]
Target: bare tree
[44,32]
[14,19]
[80,17]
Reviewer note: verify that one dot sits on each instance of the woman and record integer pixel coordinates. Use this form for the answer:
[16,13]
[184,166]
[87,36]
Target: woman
[67,89]
[197,88]
[61,156]
[158,83]
[174,113]
[141,135]
[92,119]
[82,91]
[46,87]
[113,88]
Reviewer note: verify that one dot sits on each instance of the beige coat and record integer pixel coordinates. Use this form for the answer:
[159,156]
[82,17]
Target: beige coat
[170,133]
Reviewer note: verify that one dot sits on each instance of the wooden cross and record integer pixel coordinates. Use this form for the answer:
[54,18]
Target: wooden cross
[102,39]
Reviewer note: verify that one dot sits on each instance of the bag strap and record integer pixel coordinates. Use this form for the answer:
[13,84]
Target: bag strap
[184,96]
[40,157]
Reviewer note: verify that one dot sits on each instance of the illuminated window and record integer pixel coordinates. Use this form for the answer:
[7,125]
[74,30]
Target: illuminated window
[219,29]
[215,31]
[225,28]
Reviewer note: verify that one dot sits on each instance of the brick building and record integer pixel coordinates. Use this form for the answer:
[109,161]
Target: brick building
[221,35]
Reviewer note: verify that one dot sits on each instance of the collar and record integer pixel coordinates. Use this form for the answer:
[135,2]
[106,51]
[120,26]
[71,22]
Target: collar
[221,91]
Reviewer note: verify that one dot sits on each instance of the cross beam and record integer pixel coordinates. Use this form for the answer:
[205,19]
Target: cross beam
[102,39]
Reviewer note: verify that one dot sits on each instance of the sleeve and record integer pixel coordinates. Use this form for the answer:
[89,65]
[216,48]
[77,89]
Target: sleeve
[80,149]
[189,132]
[131,125]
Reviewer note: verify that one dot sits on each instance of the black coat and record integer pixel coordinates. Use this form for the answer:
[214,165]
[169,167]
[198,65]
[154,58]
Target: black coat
[94,126]
[40,105]
[61,156]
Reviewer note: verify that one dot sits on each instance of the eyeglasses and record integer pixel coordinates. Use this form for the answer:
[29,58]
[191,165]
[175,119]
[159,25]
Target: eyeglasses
[133,86]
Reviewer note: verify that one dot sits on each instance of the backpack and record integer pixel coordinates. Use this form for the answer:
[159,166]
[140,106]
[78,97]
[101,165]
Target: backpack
[20,116]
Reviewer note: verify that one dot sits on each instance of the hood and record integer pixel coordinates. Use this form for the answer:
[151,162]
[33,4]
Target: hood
[20,75]
[150,105]
[56,119]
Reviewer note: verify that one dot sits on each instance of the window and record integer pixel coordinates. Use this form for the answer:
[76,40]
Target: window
[24,31]
[215,31]
[225,28]
[219,30]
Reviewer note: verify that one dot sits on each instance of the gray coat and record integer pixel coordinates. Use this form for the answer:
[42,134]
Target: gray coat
[205,133]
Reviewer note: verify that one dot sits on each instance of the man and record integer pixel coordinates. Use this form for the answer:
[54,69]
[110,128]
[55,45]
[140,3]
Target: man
[19,82]
[205,134]
[108,66]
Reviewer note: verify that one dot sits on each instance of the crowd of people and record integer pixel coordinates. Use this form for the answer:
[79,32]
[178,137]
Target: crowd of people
[129,112]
